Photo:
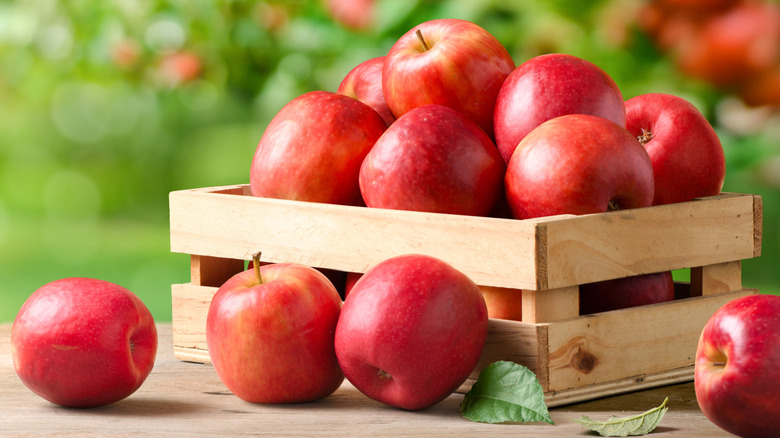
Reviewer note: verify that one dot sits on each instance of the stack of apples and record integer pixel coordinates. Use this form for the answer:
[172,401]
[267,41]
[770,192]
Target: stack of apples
[446,122]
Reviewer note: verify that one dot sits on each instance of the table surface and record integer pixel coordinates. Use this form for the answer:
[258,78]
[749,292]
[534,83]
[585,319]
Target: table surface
[188,399]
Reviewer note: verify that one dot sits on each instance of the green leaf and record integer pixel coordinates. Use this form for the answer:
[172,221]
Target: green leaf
[641,424]
[505,391]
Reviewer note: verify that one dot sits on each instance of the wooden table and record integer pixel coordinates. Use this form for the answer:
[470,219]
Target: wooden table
[187,399]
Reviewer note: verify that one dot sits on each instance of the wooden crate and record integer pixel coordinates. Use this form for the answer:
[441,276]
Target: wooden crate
[575,357]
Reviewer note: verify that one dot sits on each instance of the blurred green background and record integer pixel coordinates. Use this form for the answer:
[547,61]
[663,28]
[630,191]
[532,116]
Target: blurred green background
[106,107]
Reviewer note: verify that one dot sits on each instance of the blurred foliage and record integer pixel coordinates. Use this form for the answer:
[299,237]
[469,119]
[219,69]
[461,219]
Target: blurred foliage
[106,107]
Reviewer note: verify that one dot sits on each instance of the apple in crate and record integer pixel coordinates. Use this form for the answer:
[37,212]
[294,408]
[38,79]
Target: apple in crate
[736,374]
[687,156]
[449,62]
[313,148]
[578,164]
[364,83]
[83,342]
[269,332]
[433,159]
[503,302]
[548,86]
[621,293]
[411,331]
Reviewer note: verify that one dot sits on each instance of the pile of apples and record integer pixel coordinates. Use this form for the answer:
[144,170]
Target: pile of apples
[447,123]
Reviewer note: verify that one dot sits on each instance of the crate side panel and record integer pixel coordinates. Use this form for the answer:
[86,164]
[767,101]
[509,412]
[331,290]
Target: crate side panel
[639,241]
[627,343]
[493,252]
[190,306]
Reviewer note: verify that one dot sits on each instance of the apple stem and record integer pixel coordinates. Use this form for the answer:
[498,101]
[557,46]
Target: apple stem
[646,136]
[256,266]
[422,40]
[613,205]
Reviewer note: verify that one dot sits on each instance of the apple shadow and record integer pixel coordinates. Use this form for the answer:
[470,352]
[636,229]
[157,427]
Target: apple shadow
[140,407]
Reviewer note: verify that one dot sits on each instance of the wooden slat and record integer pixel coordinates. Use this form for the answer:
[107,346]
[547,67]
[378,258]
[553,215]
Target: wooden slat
[627,343]
[350,239]
[213,271]
[702,232]
[538,254]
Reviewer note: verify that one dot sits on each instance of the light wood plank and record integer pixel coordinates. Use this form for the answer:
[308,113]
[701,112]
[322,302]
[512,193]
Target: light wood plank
[551,305]
[716,279]
[629,343]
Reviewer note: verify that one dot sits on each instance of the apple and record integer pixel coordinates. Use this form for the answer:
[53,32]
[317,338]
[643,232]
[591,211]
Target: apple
[735,45]
[621,293]
[578,164]
[736,376]
[270,330]
[313,148]
[83,342]
[358,15]
[364,83]
[548,86]
[503,302]
[352,278]
[411,331]
[433,159]
[687,156]
[448,62]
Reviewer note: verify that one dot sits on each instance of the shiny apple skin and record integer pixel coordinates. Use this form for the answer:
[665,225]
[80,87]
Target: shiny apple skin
[742,396]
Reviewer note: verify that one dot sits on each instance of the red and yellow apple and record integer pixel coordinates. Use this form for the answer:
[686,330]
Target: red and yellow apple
[313,148]
[270,332]
[736,375]
[364,83]
[83,342]
[687,156]
[621,293]
[447,62]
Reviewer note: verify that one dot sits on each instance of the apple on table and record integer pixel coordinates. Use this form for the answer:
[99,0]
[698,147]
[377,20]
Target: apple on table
[736,375]
[411,331]
[83,342]
[449,62]
[270,334]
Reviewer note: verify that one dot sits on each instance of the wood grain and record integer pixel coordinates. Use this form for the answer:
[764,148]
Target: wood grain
[181,399]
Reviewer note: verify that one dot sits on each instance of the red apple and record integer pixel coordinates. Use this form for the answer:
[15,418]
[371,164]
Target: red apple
[733,46]
[687,156]
[433,159]
[448,62]
[359,15]
[269,332]
[548,86]
[364,83]
[352,278]
[736,375]
[621,293]
[578,164]
[82,342]
[313,148]
[503,302]
[411,331]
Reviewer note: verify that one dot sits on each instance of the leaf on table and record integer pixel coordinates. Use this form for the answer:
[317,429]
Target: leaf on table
[505,391]
[641,424]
